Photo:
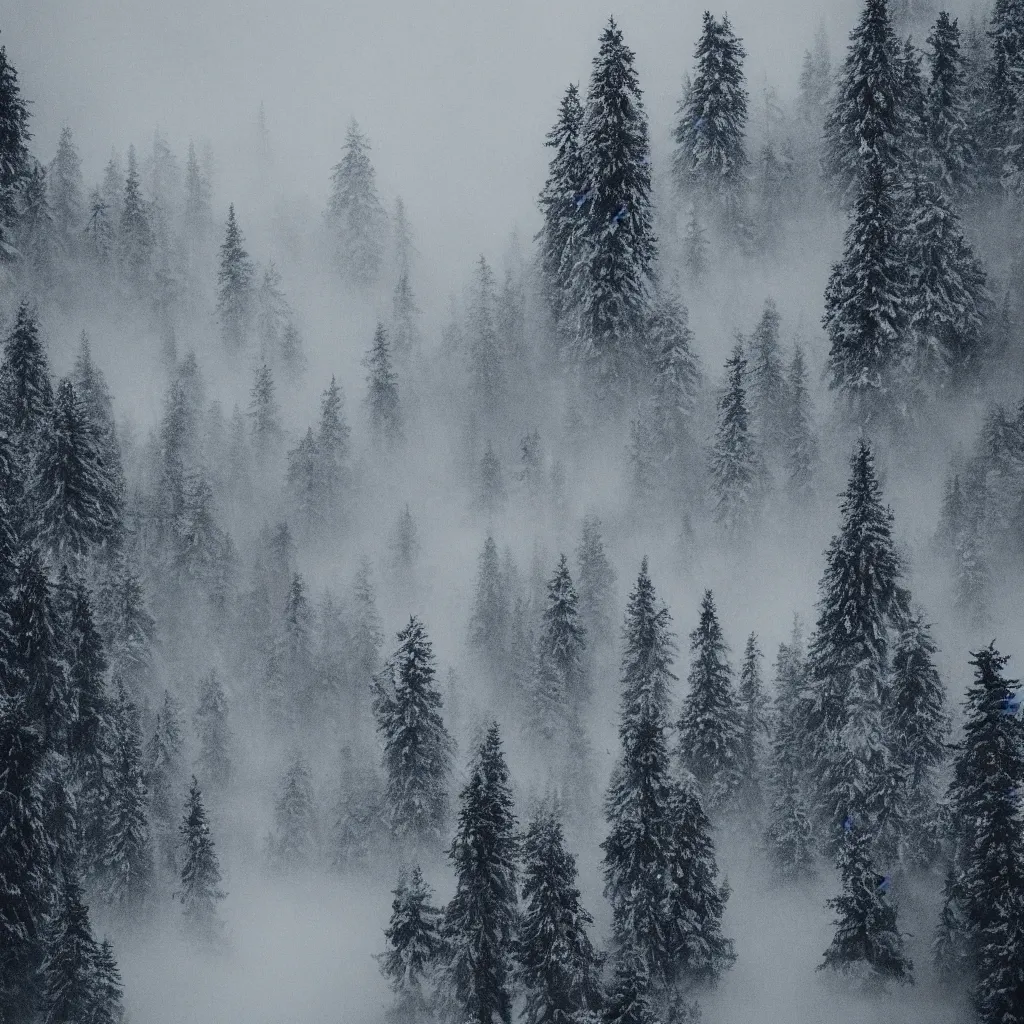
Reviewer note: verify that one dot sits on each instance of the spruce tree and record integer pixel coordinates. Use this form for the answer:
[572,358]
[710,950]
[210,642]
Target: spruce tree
[695,248]
[76,499]
[628,1000]
[382,392]
[488,623]
[291,845]
[65,180]
[127,626]
[637,804]
[710,726]
[234,287]
[14,153]
[108,989]
[366,638]
[868,946]
[272,314]
[558,966]
[491,494]
[197,217]
[128,846]
[164,768]
[710,158]
[200,872]
[815,81]
[697,953]
[213,763]
[596,585]
[801,444]
[614,243]
[755,728]
[135,236]
[767,379]
[561,201]
[417,748]
[265,415]
[413,948]
[735,460]
[332,443]
[25,384]
[481,921]
[953,147]
[355,217]
[1005,72]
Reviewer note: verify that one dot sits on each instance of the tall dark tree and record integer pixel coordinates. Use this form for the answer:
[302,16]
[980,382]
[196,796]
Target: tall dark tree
[382,392]
[488,623]
[414,947]
[953,147]
[164,767]
[767,378]
[710,724]
[558,965]
[1005,71]
[481,921]
[25,384]
[65,180]
[614,261]
[200,872]
[561,200]
[710,158]
[234,286]
[417,748]
[596,584]
[332,446]
[14,153]
[264,415]
[355,217]
[486,358]
[755,729]
[135,235]
[801,442]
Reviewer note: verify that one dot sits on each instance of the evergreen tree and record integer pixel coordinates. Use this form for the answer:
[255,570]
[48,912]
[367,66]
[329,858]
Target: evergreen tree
[108,988]
[767,379]
[486,359]
[868,945]
[953,149]
[616,248]
[865,129]
[366,638]
[491,497]
[213,763]
[128,849]
[755,730]
[164,766]
[273,314]
[200,873]
[981,922]
[25,385]
[405,546]
[735,461]
[488,623]
[628,1000]
[65,180]
[24,855]
[862,599]
[332,442]
[135,236]
[637,805]
[695,247]
[417,748]
[76,500]
[127,625]
[234,287]
[37,235]
[697,951]
[711,722]
[560,687]
[265,415]
[595,583]
[801,443]
[304,481]
[14,154]
[561,200]
[382,392]
[197,217]
[291,845]
[99,231]
[1003,88]
[480,922]
[815,81]
[558,965]
[355,216]
[710,158]
[414,947]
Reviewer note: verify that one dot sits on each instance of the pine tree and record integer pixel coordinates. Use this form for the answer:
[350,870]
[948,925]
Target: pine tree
[491,496]
[332,442]
[37,236]
[213,763]
[755,730]
[76,500]
[801,443]
[417,748]
[265,415]
[710,159]
[767,379]
[304,481]
[486,360]
[108,989]
[382,392]
[561,200]
[25,385]
[697,951]
[164,767]
[865,129]
[560,686]
[366,638]
[414,947]
[628,1000]
[815,81]
[953,149]
[14,153]
[24,854]
[488,624]
[99,231]
[234,287]
[735,462]
[558,966]
[695,247]
[480,922]
[868,945]
[405,546]
[1005,74]
[197,217]
[135,236]
[616,247]
[291,845]
[789,833]
[637,805]
[981,924]
[200,873]
[128,847]
[710,725]
[862,598]
[65,180]
[596,584]
[127,625]
[355,217]
[71,969]
[272,314]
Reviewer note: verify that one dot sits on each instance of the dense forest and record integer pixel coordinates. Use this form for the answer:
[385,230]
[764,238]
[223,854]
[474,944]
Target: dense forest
[623,635]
